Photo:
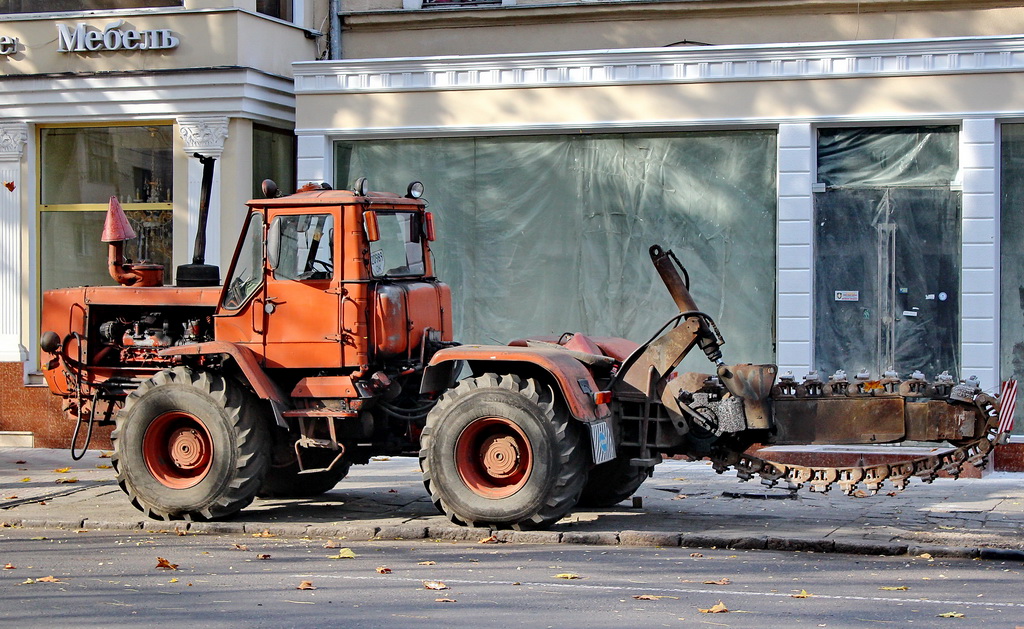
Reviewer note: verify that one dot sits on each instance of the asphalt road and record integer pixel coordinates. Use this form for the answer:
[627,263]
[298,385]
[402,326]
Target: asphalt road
[102,578]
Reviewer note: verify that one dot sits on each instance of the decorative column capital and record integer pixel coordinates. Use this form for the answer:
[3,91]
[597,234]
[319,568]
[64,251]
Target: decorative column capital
[13,137]
[203,134]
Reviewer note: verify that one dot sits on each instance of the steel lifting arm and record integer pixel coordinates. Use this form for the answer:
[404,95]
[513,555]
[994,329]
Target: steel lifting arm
[664,353]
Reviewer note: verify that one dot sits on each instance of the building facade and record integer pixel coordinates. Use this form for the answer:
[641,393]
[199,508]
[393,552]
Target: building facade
[112,98]
[840,177]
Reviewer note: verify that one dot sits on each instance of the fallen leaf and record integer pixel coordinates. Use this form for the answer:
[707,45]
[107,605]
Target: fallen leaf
[381,458]
[493,539]
[947,528]
[652,597]
[240,547]
[28,581]
[392,491]
[924,556]
[567,575]
[383,570]
[38,539]
[174,580]
[9,566]
[332,544]
[181,532]
[426,563]
[434,585]
[344,553]
[263,556]
[717,608]
[893,588]
[722,581]
[105,455]
[49,579]
[696,555]
[11,498]
[104,466]
[306,585]
[20,462]
[264,533]
[802,594]
[860,493]
[163,564]
[951,615]
[62,481]
[62,470]
[892,494]
[25,480]
[445,600]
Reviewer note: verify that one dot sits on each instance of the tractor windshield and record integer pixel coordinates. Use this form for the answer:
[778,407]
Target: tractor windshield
[247,272]
[399,252]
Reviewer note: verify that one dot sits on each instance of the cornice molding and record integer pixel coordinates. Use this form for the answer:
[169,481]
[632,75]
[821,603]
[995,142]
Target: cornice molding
[705,64]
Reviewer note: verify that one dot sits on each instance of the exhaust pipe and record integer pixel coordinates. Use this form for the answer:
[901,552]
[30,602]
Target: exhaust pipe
[199,273]
[117,230]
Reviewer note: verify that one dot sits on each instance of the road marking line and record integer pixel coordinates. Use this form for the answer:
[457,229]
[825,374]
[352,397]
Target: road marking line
[620,588]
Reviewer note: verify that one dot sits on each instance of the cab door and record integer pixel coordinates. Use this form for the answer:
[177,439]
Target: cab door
[301,300]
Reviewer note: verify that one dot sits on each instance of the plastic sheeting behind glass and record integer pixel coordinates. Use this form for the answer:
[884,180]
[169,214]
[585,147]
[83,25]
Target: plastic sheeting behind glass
[1011,263]
[887,255]
[549,234]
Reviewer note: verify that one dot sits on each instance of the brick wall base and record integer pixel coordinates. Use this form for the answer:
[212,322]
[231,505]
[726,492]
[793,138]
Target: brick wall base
[37,410]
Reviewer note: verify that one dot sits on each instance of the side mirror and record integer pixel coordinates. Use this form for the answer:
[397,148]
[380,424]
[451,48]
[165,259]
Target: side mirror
[372,229]
[274,244]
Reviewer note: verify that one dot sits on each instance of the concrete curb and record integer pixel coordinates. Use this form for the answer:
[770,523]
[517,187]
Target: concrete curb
[626,538]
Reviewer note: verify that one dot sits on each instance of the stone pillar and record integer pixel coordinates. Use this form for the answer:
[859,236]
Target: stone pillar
[204,135]
[979,302]
[13,137]
[794,319]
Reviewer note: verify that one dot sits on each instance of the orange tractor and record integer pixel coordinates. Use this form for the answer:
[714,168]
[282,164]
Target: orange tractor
[330,341]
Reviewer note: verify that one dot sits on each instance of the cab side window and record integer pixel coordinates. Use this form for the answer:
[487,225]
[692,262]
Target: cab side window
[306,247]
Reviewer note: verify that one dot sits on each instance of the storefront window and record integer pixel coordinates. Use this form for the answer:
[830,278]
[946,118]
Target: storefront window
[80,169]
[550,234]
[53,6]
[273,157]
[1011,261]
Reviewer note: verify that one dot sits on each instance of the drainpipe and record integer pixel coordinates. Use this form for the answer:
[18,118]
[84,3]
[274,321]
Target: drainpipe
[335,30]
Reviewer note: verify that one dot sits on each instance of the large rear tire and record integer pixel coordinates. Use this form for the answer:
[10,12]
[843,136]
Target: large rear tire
[610,483]
[190,445]
[496,450]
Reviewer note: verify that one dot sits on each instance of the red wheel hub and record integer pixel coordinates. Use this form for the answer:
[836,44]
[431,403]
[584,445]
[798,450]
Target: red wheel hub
[178,449]
[493,457]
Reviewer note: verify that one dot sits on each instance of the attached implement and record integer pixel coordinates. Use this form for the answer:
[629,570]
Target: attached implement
[330,341]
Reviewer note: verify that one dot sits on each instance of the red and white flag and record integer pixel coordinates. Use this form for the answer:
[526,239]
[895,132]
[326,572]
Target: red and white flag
[1007,405]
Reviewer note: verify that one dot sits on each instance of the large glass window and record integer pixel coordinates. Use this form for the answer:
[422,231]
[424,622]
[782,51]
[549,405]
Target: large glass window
[273,157]
[549,234]
[887,251]
[1011,262]
[80,169]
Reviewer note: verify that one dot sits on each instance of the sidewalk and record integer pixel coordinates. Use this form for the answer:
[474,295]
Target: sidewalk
[684,504]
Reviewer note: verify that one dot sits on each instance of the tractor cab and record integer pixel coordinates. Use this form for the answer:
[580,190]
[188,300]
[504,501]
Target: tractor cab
[335,279]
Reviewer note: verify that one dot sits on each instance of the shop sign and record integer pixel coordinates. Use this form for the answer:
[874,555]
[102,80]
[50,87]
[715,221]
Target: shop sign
[8,45]
[86,38]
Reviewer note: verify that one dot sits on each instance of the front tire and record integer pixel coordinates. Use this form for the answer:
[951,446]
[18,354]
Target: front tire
[190,445]
[496,451]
